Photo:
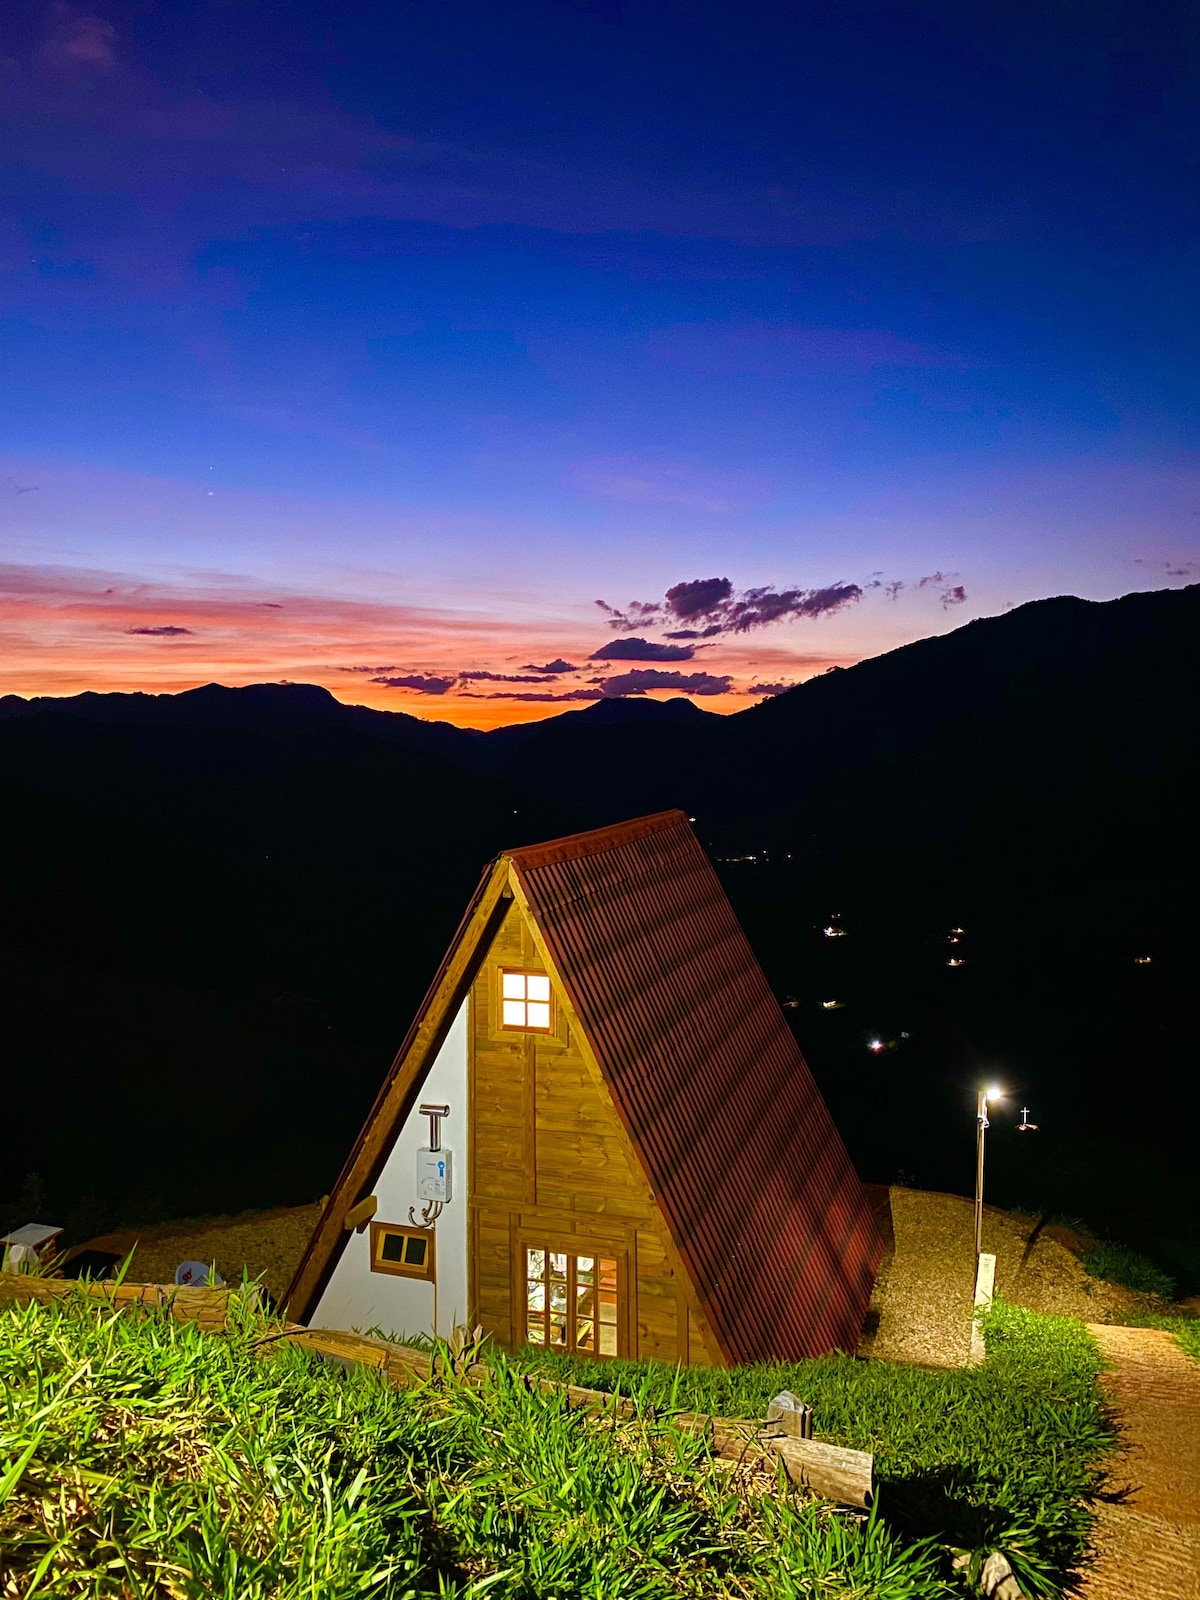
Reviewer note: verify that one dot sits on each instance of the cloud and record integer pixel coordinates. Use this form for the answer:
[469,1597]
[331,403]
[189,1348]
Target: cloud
[502,677]
[506,694]
[555,666]
[950,594]
[167,630]
[637,614]
[769,688]
[417,681]
[642,650]
[700,599]
[894,589]
[643,678]
[759,607]
[78,43]
[670,483]
[721,609]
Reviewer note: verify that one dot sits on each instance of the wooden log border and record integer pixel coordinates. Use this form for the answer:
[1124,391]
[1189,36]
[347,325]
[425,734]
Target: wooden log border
[844,1476]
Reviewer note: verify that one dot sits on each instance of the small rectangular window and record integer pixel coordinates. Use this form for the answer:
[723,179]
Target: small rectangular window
[571,1302]
[404,1251]
[526,1002]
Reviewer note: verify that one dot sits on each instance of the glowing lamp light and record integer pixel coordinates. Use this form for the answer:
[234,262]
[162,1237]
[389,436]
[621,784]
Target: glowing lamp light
[875,1044]
[994,1093]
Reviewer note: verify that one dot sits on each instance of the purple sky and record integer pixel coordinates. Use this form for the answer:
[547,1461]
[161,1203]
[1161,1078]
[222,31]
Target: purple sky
[373,346]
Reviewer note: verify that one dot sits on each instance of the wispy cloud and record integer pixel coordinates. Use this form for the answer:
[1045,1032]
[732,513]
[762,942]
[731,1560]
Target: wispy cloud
[710,607]
[670,483]
[418,682]
[643,678]
[642,650]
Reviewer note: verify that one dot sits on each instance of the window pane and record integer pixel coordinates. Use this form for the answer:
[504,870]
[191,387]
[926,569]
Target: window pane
[539,1015]
[513,985]
[391,1247]
[558,1333]
[414,1252]
[514,1013]
[608,1340]
[583,1268]
[558,1265]
[538,986]
[536,1329]
[535,1263]
[585,1335]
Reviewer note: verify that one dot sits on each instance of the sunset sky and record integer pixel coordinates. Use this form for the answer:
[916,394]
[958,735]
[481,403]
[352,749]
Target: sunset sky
[480,360]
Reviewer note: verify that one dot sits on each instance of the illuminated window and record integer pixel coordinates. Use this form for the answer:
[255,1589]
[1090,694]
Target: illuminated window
[405,1252]
[571,1302]
[525,1002]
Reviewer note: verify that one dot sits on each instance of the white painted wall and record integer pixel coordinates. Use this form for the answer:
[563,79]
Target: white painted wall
[357,1298]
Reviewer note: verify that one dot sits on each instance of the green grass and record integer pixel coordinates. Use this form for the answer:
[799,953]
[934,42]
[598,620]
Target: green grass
[1115,1263]
[1184,1326]
[1000,1456]
[139,1457]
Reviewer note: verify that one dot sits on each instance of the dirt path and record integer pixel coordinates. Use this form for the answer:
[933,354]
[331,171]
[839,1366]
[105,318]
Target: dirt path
[1149,1547]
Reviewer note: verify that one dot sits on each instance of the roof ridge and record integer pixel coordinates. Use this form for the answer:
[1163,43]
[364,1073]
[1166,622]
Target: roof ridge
[574,845]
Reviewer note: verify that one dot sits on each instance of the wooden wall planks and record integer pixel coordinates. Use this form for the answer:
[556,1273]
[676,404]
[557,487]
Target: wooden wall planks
[548,1161]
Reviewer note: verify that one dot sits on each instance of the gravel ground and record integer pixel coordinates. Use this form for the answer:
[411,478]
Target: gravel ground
[924,1295]
[267,1244]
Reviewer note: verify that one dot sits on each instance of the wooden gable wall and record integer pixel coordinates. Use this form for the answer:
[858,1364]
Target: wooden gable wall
[550,1164]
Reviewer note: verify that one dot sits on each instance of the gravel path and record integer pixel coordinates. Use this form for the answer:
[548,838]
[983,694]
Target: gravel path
[1148,1547]
[925,1291]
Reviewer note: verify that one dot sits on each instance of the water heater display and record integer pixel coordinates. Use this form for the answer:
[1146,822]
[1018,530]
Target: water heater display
[435,1174]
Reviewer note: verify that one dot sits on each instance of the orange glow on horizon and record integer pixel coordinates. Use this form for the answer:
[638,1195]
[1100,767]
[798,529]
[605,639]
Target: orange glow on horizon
[66,632]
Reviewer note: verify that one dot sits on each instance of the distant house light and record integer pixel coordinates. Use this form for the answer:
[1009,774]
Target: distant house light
[876,1045]
[956,961]
[1142,961]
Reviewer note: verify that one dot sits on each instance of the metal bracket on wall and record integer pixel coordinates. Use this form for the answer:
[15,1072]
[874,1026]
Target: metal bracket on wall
[430,1212]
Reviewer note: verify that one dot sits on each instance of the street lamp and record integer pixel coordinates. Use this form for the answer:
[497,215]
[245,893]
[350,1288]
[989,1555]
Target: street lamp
[981,1127]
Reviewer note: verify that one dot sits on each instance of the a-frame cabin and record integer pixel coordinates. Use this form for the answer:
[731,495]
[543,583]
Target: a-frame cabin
[639,1160]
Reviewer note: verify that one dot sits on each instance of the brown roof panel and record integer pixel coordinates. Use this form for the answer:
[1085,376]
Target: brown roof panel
[750,1171]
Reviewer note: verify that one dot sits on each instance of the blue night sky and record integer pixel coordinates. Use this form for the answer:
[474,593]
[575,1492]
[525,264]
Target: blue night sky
[373,345]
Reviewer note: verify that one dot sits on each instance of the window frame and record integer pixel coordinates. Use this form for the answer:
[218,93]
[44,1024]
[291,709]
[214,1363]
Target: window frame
[425,1273]
[551,1028]
[573,1249]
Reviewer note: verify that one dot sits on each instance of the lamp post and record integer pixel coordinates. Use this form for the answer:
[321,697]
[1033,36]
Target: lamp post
[981,1127]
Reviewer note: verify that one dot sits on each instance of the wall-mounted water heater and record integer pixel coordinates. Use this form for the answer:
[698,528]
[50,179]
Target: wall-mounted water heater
[435,1165]
[435,1174]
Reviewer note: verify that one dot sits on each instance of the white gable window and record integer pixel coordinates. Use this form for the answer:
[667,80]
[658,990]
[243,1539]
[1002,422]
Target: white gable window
[525,1002]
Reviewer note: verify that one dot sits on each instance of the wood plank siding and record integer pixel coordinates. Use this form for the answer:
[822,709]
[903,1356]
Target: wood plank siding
[550,1165]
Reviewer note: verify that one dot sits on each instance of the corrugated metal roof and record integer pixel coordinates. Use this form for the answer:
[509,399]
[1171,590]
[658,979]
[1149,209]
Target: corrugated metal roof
[750,1171]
